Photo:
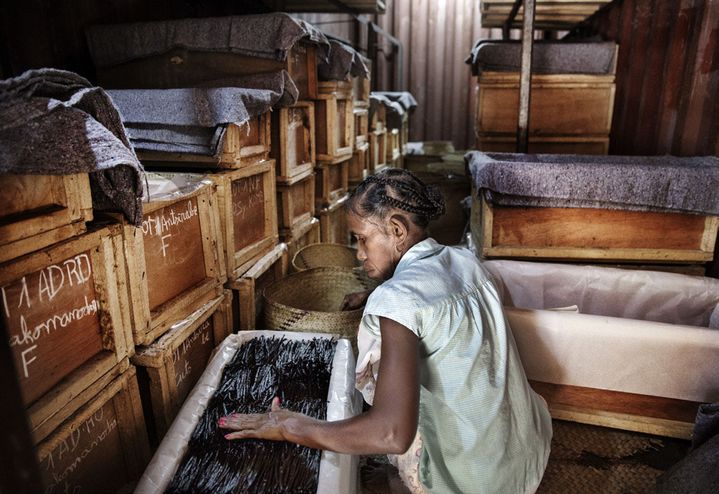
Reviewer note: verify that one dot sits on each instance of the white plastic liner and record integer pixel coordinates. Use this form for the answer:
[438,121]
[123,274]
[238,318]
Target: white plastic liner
[338,472]
[634,331]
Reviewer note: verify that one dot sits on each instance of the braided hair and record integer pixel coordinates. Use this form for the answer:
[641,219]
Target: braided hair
[396,188]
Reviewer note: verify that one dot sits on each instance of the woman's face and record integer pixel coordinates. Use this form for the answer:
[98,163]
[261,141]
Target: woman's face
[376,248]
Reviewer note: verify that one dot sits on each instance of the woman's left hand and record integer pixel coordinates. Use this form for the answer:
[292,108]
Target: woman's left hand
[258,425]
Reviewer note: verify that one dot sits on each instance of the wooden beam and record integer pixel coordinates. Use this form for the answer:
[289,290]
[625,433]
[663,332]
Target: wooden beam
[525,83]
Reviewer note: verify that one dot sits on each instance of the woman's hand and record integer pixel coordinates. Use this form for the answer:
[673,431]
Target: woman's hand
[355,300]
[259,425]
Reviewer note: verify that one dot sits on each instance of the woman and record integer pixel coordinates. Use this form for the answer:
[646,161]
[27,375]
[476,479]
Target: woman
[449,396]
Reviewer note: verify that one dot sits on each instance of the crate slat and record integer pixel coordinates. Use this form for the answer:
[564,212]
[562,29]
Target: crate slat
[41,210]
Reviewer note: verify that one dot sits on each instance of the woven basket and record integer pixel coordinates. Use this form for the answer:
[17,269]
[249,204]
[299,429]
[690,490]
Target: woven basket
[325,255]
[310,300]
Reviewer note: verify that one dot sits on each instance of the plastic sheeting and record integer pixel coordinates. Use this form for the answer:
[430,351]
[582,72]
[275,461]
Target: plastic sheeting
[633,331]
[338,472]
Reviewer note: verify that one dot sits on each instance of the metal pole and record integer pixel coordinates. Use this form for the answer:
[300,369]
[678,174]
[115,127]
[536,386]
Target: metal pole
[525,78]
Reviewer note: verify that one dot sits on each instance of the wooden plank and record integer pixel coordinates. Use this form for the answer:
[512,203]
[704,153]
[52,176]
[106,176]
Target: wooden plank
[602,234]
[359,164]
[377,150]
[62,309]
[628,411]
[174,363]
[546,144]
[296,202]
[247,206]
[82,454]
[40,210]
[293,140]
[248,303]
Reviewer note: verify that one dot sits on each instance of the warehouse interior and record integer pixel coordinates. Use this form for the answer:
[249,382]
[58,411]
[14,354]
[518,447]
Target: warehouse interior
[176,178]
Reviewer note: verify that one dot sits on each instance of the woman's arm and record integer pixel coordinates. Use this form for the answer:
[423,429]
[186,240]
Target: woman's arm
[388,427]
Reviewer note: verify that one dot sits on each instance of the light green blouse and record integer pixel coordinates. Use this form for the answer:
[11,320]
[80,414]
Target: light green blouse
[483,429]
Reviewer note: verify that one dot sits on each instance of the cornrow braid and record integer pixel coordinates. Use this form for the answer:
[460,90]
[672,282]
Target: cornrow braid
[395,188]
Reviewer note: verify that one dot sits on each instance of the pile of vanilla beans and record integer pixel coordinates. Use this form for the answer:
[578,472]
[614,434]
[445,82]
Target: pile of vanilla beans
[298,371]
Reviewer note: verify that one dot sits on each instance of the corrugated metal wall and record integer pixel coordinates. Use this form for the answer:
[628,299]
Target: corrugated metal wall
[667,99]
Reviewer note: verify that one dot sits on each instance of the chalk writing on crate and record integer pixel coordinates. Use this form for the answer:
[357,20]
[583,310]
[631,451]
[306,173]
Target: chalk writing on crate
[180,354]
[69,456]
[247,195]
[159,224]
[45,302]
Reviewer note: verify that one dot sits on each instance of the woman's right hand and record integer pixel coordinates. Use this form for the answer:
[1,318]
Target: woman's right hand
[355,300]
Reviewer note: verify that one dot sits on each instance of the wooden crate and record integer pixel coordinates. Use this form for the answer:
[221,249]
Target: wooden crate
[247,303]
[169,368]
[361,116]
[293,140]
[561,104]
[333,223]
[545,145]
[360,92]
[66,312]
[592,234]
[301,236]
[359,165]
[377,150]
[393,147]
[331,181]
[244,145]
[404,134]
[296,201]
[187,68]
[101,448]
[334,121]
[174,261]
[248,217]
[41,210]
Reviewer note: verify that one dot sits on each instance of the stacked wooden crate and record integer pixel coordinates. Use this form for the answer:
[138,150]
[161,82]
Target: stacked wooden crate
[572,96]
[224,94]
[66,311]
[360,164]
[377,136]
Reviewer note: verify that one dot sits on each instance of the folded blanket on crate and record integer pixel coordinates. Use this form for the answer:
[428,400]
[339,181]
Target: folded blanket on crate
[54,122]
[404,98]
[344,62]
[548,57]
[394,111]
[194,120]
[639,183]
[269,36]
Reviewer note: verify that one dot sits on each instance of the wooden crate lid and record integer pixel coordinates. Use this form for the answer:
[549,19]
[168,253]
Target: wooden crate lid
[549,14]
[548,57]
[640,183]
[269,36]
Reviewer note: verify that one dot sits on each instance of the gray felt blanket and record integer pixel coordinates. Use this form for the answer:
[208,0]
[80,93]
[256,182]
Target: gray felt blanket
[641,183]
[394,111]
[344,62]
[404,98]
[194,120]
[266,36]
[548,57]
[54,122]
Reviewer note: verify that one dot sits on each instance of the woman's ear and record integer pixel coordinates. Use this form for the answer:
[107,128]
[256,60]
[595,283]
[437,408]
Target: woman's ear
[399,228]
